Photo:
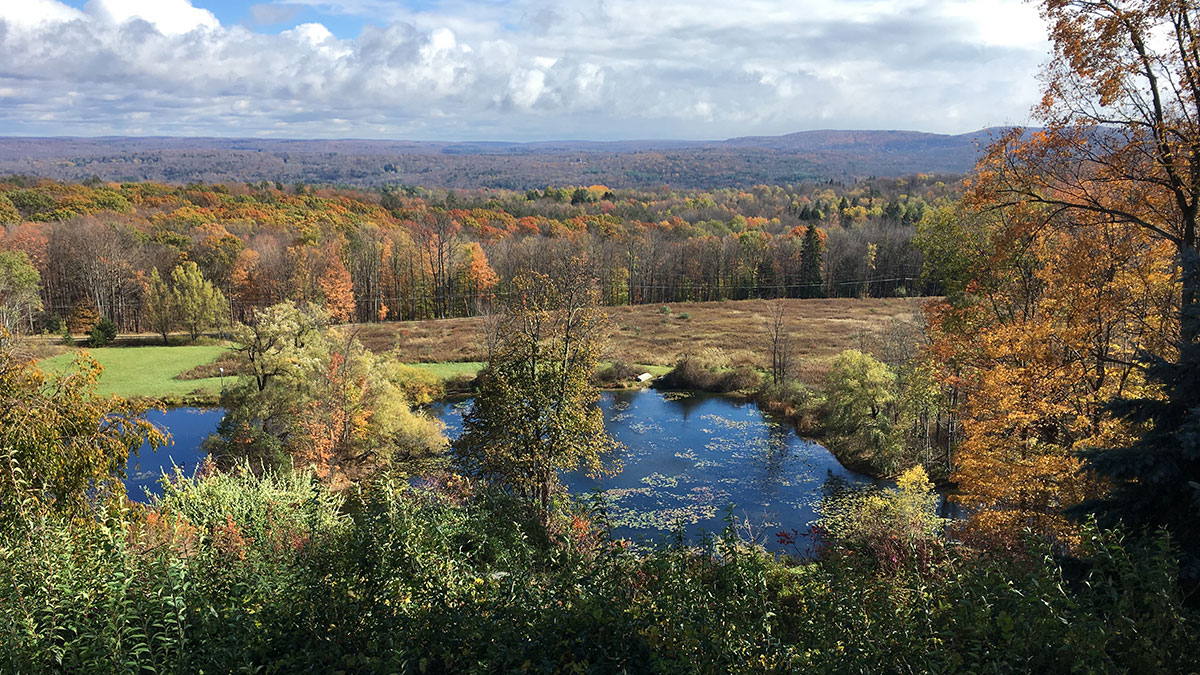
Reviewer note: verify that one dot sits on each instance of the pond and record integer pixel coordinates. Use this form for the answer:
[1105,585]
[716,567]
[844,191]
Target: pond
[688,459]
[189,427]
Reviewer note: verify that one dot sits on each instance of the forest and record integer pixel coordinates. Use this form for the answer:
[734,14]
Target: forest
[412,253]
[1049,389]
[734,163]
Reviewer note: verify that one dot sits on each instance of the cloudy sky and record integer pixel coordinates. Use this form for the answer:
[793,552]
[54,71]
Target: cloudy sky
[514,69]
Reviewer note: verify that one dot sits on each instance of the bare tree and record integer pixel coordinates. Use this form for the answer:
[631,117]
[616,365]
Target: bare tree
[780,335]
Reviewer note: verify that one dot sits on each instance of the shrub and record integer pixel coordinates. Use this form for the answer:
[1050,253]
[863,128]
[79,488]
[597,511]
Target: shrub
[615,373]
[229,572]
[739,379]
[791,399]
[98,337]
[691,374]
[895,527]
[106,326]
[664,310]
[688,374]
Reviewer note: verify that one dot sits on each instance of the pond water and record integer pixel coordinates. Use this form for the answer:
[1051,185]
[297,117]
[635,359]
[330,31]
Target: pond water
[691,459]
[189,427]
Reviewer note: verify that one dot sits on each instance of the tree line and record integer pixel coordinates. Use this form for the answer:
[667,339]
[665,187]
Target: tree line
[404,254]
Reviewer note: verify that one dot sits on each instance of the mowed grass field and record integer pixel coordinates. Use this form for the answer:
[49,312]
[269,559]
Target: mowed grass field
[147,372]
[645,334]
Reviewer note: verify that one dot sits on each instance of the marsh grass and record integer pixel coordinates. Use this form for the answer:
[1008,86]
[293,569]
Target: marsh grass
[822,329]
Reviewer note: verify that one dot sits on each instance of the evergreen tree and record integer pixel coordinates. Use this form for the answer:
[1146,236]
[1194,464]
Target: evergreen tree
[811,253]
[1156,479]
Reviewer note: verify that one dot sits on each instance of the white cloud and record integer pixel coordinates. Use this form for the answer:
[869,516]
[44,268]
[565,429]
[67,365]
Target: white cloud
[170,17]
[26,14]
[522,69]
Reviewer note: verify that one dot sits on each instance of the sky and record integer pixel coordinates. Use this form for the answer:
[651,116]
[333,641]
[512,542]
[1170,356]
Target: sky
[514,70]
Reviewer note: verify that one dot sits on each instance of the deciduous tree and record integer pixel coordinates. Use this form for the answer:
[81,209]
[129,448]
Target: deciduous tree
[19,286]
[535,413]
[160,310]
[198,304]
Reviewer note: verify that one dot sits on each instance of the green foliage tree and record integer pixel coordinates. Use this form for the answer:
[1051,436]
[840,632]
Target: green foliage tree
[535,413]
[19,291]
[861,394]
[160,305]
[8,212]
[63,446]
[955,242]
[322,401]
[199,305]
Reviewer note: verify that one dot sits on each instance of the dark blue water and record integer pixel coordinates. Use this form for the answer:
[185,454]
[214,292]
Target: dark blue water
[689,458]
[188,428]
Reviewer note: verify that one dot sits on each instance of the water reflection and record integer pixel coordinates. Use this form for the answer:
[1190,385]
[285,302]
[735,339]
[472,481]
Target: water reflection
[690,457]
[188,428]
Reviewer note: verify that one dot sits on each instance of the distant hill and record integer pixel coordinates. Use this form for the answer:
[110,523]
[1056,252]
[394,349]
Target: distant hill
[737,162]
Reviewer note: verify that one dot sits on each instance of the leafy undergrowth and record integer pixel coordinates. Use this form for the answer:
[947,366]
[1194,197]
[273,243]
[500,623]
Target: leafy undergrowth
[229,572]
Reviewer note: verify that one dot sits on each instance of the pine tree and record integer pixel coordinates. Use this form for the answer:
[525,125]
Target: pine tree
[811,253]
[1156,479]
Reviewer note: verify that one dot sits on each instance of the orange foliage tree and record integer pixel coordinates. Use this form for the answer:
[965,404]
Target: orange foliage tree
[1046,335]
[337,290]
[1091,255]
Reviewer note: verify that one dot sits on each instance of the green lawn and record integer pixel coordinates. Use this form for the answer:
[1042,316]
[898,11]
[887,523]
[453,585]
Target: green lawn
[147,371]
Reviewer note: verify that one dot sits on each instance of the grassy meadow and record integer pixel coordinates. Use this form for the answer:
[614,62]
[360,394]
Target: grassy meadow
[645,334]
[147,372]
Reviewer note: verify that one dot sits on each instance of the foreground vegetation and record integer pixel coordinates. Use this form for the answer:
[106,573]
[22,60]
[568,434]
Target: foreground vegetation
[229,572]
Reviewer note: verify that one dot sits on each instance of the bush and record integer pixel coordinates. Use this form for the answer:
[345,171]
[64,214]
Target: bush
[617,373]
[106,326]
[664,310]
[98,337]
[803,406]
[895,527]
[738,379]
[690,374]
[229,572]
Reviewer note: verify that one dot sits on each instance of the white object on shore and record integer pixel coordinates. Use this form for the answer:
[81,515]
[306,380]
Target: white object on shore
[645,377]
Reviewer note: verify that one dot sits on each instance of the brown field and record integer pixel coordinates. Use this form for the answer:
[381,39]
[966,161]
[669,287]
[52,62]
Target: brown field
[730,332]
